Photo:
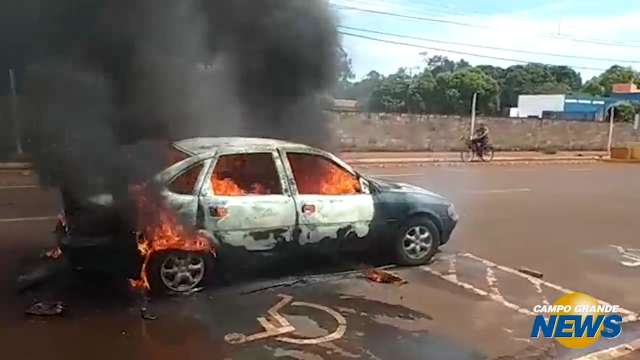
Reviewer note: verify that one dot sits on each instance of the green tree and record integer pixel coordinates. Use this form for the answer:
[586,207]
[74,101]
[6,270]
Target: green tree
[469,81]
[344,72]
[603,84]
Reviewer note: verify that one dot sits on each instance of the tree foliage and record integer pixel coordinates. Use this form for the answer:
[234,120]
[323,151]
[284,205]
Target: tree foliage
[446,86]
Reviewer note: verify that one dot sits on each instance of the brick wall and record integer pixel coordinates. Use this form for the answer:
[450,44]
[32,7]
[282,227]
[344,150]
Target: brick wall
[400,132]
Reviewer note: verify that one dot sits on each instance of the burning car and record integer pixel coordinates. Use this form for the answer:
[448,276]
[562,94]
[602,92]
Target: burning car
[225,199]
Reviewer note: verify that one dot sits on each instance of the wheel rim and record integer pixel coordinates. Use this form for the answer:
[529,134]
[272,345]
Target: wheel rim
[417,242]
[182,272]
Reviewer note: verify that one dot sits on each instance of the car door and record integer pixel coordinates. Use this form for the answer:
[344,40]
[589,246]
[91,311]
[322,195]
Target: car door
[247,202]
[333,204]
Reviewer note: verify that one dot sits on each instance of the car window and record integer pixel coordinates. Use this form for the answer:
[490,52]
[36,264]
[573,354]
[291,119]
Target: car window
[246,174]
[317,175]
[184,184]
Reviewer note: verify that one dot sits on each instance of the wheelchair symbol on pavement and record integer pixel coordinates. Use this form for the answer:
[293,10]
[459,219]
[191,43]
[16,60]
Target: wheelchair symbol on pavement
[275,325]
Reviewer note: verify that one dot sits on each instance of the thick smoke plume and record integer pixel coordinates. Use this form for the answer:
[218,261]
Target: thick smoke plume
[132,72]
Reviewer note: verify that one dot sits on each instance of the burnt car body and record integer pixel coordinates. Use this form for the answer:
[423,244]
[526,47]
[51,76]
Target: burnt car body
[266,197]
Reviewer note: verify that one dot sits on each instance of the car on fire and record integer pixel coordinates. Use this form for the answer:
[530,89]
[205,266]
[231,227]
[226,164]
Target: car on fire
[251,196]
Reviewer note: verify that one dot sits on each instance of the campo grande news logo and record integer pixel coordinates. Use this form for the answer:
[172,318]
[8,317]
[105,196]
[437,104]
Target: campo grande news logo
[577,321]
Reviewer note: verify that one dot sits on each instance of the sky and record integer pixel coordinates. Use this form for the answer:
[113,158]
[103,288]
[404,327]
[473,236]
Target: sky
[606,30]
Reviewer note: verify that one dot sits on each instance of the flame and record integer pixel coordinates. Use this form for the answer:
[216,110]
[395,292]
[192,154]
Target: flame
[160,229]
[317,176]
[227,187]
[336,182]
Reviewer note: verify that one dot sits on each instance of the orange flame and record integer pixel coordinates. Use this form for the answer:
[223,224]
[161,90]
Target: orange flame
[337,182]
[227,187]
[160,230]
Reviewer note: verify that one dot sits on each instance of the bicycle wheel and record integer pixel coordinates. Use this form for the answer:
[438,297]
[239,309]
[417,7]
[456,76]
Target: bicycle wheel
[466,155]
[487,154]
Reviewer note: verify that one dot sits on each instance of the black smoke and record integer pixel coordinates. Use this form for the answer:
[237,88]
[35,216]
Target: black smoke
[114,76]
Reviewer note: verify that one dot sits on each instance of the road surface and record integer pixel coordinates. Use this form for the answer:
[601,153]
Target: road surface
[576,224]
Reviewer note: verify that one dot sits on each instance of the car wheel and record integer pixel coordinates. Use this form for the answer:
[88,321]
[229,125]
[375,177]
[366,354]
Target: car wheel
[178,271]
[417,242]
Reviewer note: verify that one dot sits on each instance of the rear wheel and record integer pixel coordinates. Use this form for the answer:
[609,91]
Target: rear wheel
[487,153]
[177,271]
[467,155]
[417,242]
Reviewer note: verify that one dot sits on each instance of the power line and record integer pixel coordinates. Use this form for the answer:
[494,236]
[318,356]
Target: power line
[479,26]
[487,46]
[520,61]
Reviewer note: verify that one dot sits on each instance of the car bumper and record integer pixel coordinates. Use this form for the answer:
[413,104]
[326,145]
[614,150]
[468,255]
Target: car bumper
[101,253]
[448,225]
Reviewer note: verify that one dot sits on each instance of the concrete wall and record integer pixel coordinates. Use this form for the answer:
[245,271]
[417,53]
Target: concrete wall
[402,132]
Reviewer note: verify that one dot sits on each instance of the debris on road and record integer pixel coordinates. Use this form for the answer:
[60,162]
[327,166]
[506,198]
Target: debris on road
[534,273]
[385,277]
[146,315]
[44,308]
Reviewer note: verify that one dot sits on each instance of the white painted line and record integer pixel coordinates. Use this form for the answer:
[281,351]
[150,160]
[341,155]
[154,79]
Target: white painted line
[614,352]
[26,219]
[580,169]
[495,295]
[499,191]
[19,187]
[629,315]
[397,175]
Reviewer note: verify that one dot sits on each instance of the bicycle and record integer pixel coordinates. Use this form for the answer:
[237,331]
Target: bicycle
[484,153]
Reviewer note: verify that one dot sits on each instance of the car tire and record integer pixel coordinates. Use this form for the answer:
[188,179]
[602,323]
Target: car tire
[177,271]
[417,242]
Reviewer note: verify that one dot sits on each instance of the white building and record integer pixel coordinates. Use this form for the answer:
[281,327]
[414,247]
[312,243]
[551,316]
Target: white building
[534,105]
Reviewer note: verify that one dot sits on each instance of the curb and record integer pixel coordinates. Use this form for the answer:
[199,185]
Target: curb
[622,161]
[16,166]
[509,160]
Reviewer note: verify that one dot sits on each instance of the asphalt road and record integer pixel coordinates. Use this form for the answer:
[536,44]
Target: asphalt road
[572,223]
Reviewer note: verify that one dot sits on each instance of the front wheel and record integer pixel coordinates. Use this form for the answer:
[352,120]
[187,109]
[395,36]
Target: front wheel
[418,242]
[177,271]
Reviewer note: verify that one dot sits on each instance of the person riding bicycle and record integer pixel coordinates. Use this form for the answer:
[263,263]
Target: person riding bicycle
[480,138]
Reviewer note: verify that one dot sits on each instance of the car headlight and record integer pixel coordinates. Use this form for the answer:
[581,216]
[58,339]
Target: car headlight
[451,211]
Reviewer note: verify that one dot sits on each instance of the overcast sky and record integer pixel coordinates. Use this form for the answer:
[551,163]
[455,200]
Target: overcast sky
[530,25]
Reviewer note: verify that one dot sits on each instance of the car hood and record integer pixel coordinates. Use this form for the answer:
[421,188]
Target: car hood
[391,186]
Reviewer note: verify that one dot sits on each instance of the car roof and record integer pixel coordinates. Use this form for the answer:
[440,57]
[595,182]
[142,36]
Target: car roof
[196,146]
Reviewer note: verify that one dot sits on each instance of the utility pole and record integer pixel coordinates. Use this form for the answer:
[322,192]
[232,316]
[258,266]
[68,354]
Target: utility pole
[474,101]
[17,132]
[613,110]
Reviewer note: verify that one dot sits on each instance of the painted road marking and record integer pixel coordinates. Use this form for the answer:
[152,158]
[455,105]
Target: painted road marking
[19,187]
[494,292]
[580,169]
[499,191]
[614,352]
[282,326]
[26,219]
[631,255]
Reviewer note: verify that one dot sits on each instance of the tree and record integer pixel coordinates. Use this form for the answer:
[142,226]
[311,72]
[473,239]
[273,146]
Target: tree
[565,75]
[344,71]
[469,81]
[603,84]
[439,64]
